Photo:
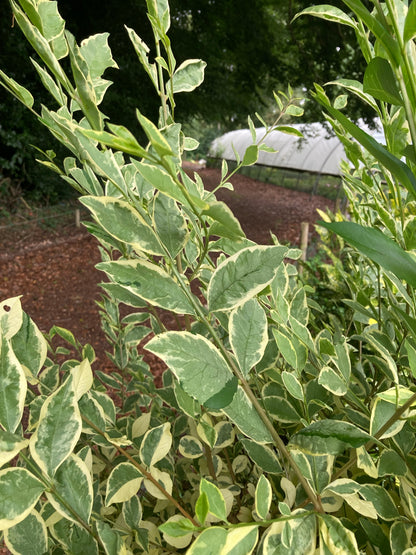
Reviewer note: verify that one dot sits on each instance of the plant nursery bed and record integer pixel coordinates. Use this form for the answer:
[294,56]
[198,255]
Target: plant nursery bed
[53,269]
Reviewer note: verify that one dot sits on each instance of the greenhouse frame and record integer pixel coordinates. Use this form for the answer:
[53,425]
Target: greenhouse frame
[310,163]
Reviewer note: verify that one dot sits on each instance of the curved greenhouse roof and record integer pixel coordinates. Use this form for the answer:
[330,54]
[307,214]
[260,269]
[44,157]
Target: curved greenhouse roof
[318,152]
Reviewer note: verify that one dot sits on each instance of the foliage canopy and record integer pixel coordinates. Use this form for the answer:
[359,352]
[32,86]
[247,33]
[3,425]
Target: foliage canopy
[279,427]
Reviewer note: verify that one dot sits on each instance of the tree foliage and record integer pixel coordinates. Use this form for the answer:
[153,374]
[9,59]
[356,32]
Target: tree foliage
[250,46]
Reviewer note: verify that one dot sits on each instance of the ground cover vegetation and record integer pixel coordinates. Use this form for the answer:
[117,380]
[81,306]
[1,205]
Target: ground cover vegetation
[280,427]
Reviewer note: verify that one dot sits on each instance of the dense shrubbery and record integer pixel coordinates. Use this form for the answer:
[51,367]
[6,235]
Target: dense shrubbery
[278,427]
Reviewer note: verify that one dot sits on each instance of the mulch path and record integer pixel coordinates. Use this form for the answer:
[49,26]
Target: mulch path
[53,270]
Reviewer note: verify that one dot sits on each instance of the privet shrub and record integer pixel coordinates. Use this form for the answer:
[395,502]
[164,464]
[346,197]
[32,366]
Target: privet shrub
[278,429]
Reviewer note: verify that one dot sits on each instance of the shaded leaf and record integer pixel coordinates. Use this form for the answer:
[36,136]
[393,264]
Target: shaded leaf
[329,437]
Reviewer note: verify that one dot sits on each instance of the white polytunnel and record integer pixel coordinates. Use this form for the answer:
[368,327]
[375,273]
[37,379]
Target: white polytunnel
[319,151]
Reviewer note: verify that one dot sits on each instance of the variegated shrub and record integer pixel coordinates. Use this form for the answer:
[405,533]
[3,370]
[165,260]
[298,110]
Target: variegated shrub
[275,430]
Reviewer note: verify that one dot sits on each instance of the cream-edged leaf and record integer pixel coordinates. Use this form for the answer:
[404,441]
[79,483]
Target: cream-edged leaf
[123,482]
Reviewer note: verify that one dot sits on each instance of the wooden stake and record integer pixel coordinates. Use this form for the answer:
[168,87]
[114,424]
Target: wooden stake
[304,237]
[77,217]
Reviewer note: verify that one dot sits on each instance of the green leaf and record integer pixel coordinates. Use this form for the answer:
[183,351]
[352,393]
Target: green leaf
[29,346]
[149,282]
[398,395]
[177,531]
[97,54]
[198,365]
[295,536]
[111,540]
[225,434]
[380,82]
[281,409]
[170,224]
[329,13]
[17,90]
[243,275]
[225,223]
[293,385]
[142,51]
[190,447]
[202,507]
[242,413]
[58,430]
[52,28]
[288,130]
[381,413]
[156,139]
[391,464]
[187,77]
[264,457]
[178,527]
[409,31]
[121,139]
[241,541]
[123,295]
[187,404]
[10,445]
[156,444]
[378,28]
[400,537]
[293,351]
[215,498]
[72,485]
[163,478]
[248,334]
[124,223]
[19,493]
[251,155]
[210,542]
[378,247]
[86,96]
[163,182]
[357,88]
[28,537]
[329,437]
[92,411]
[366,463]
[295,111]
[132,512]
[124,482]
[206,430]
[263,497]
[40,44]
[13,387]
[332,380]
[336,537]
[380,498]
[73,538]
